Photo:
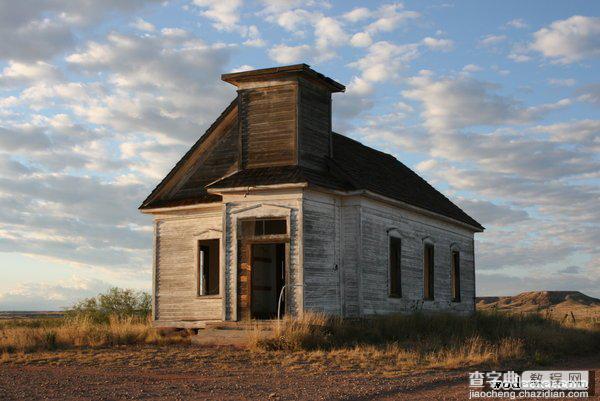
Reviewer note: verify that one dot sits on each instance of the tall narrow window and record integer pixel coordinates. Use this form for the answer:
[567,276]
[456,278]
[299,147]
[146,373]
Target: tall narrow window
[395,271]
[428,272]
[208,267]
[456,276]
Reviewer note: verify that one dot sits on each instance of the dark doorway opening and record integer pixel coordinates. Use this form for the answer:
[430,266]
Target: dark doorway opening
[267,280]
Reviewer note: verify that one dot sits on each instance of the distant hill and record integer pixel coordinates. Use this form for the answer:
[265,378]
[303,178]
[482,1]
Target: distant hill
[555,302]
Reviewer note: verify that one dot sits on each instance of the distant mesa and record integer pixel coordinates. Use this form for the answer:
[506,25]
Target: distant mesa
[534,301]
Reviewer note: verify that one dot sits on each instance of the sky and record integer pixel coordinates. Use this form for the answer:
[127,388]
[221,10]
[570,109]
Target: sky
[495,103]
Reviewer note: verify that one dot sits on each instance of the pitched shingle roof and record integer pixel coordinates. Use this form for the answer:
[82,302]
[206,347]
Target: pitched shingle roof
[354,166]
[281,175]
[383,174]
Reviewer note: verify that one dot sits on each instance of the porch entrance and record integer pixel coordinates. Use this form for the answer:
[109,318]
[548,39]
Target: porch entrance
[267,279]
[263,253]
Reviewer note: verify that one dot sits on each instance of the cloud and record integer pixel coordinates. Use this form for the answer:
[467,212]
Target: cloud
[491,213]
[242,68]
[50,296]
[279,6]
[293,20]
[254,38]
[492,40]
[357,14]
[384,60]
[143,25]
[589,93]
[462,101]
[584,134]
[571,270]
[284,54]
[25,139]
[33,31]
[562,82]
[85,221]
[90,151]
[388,133]
[520,53]
[571,40]
[19,73]
[562,211]
[361,39]
[225,14]
[329,33]
[390,17]
[443,45]
[187,69]
[517,23]
[472,68]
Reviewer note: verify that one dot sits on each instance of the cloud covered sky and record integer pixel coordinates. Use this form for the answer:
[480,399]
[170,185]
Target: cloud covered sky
[497,104]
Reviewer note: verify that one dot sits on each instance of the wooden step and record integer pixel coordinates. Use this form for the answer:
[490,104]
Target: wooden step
[238,334]
[243,325]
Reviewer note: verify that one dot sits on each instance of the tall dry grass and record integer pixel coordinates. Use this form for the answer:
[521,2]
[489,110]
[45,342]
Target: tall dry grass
[82,331]
[439,340]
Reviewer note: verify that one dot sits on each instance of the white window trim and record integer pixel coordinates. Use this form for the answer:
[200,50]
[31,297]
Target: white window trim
[394,232]
[427,240]
[455,247]
[210,234]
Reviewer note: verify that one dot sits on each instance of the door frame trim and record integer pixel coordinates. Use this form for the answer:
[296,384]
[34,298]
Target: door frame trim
[286,258]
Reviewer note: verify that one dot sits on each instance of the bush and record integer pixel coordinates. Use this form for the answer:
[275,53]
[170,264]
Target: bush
[116,302]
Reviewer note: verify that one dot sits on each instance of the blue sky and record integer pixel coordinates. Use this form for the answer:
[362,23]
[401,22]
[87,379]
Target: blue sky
[495,103]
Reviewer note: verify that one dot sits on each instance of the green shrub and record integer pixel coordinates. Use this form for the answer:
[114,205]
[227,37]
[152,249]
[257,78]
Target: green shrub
[117,302]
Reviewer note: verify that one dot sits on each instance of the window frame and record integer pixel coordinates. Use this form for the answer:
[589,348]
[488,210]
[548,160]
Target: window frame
[455,275]
[255,221]
[428,271]
[398,290]
[197,267]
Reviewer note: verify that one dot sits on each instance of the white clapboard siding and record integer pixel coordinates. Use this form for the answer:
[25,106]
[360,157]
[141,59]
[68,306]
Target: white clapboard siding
[260,205]
[376,222]
[337,261]
[321,224]
[175,285]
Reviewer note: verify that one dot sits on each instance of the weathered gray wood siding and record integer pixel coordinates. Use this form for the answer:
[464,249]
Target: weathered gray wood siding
[321,261]
[267,118]
[350,269]
[377,222]
[314,125]
[283,203]
[217,161]
[175,282]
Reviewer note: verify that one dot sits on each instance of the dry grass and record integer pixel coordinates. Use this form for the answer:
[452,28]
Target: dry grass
[403,342]
[399,343]
[34,335]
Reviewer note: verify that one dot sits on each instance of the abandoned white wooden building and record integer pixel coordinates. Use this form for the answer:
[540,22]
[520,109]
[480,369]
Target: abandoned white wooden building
[271,208]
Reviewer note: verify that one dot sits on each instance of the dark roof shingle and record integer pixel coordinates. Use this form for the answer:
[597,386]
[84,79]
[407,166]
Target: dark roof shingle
[280,175]
[354,166]
[383,174]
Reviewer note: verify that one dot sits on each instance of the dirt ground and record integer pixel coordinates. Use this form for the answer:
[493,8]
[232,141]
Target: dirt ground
[219,373]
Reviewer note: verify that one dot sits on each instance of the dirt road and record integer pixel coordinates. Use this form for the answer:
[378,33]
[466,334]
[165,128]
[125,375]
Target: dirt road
[151,373]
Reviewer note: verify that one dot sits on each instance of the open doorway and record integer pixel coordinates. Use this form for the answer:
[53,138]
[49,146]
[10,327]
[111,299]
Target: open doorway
[268,278]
